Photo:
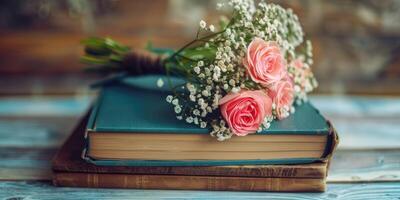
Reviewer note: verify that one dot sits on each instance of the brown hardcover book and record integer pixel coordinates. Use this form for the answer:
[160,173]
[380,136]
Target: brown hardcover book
[99,180]
[71,170]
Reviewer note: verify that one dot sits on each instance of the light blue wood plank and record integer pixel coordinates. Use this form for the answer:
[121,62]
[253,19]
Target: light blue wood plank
[363,122]
[35,131]
[366,166]
[44,106]
[358,106]
[367,133]
[44,190]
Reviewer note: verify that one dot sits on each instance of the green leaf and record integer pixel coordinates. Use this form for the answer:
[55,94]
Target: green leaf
[94,60]
[97,50]
[116,58]
[102,46]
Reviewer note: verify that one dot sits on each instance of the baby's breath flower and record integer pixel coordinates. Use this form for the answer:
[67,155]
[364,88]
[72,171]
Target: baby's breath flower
[200,63]
[212,28]
[232,82]
[169,98]
[203,124]
[202,24]
[178,109]
[226,86]
[196,112]
[197,70]
[189,120]
[292,109]
[175,102]
[192,97]
[196,120]
[200,101]
[160,83]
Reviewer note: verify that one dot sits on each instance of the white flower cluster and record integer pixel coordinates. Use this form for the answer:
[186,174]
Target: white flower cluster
[212,78]
[302,76]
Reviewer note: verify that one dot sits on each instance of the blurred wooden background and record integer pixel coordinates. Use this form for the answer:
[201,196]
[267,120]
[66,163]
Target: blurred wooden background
[356,43]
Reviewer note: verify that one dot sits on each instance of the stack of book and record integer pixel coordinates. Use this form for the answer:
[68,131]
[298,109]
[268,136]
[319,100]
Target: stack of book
[132,139]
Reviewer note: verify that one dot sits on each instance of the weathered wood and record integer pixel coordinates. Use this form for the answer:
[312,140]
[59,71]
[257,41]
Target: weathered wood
[358,106]
[45,106]
[44,190]
[26,163]
[35,131]
[44,84]
[365,166]
[346,166]
[363,122]
[363,133]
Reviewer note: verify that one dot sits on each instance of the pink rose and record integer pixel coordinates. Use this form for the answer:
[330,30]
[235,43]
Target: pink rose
[245,111]
[301,74]
[264,62]
[298,63]
[282,95]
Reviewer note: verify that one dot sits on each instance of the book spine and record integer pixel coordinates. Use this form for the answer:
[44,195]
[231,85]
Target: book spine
[331,146]
[189,182]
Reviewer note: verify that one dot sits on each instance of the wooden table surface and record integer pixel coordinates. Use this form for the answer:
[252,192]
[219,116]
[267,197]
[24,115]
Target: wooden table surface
[366,165]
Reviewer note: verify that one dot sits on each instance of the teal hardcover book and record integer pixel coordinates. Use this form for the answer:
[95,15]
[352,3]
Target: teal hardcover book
[131,124]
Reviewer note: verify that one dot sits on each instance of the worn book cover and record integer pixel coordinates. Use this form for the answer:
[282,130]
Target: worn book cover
[174,182]
[70,170]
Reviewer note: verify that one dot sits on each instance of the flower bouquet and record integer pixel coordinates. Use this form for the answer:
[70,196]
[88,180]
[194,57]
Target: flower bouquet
[251,69]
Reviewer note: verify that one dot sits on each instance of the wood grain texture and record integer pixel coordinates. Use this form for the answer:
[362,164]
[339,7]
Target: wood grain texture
[347,166]
[41,107]
[363,122]
[46,84]
[45,191]
[40,132]
[25,163]
[365,166]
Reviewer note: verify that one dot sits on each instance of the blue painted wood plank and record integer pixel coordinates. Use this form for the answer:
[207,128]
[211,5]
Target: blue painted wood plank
[35,131]
[44,106]
[366,166]
[363,122]
[358,106]
[44,191]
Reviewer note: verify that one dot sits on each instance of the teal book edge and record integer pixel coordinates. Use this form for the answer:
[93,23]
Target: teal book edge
[137,105]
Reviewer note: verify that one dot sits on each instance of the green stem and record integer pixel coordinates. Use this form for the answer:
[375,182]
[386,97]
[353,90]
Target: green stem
[194,41]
